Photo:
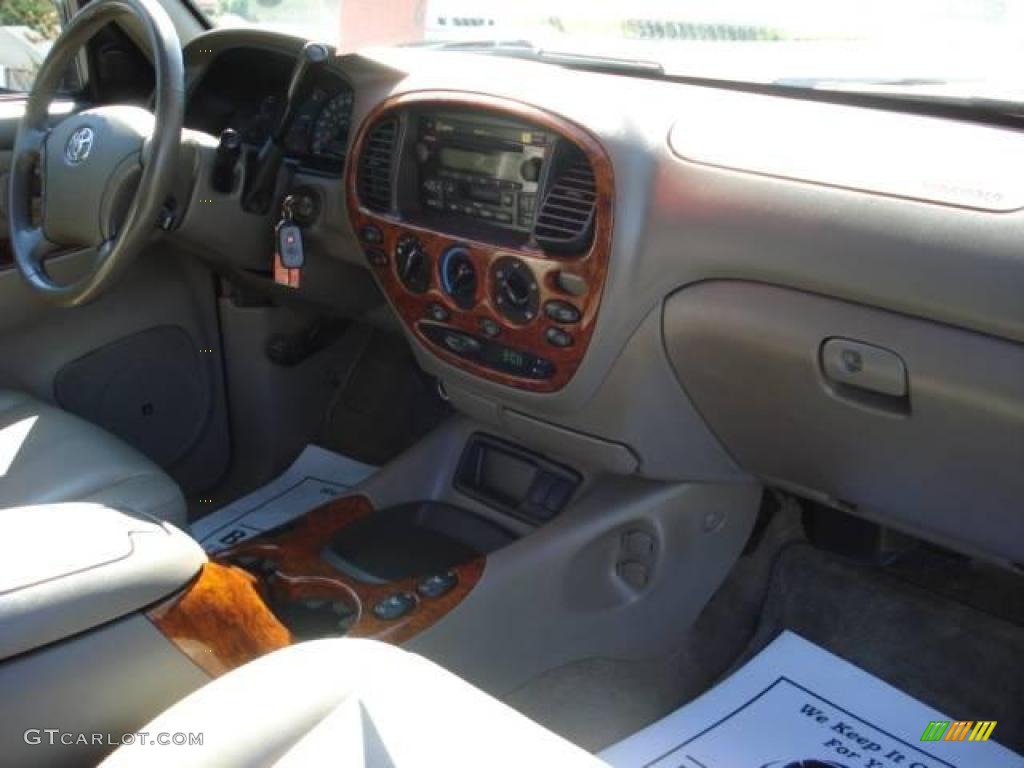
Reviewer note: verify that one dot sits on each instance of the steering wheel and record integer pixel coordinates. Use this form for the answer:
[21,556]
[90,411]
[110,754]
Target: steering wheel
[106,172]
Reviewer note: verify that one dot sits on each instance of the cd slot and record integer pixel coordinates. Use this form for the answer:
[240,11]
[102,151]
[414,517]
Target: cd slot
[472,144]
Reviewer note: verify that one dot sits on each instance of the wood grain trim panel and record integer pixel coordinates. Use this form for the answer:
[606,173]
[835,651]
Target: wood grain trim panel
[224,618]
[592,266]
[220,621]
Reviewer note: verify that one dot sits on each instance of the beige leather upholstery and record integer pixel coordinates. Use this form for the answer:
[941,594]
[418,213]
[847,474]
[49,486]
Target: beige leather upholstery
[348,703]
[47,455]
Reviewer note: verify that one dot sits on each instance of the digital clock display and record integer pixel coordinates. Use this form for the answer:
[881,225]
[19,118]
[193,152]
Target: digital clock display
[512,358]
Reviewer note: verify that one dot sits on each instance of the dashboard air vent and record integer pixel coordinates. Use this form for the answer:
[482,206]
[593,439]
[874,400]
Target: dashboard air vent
[565,218]
[375,165]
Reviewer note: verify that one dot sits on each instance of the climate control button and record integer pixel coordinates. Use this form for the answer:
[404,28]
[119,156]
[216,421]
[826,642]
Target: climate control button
[438,313]
[556,337]
[561,312]
[489,328]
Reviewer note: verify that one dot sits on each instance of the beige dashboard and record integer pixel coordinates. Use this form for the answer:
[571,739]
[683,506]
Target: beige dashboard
[913,216]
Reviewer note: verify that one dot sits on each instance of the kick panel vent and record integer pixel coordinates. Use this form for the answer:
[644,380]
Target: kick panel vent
[376,166]
[565,218]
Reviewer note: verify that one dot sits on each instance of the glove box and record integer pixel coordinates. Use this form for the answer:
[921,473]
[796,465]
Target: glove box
[913,422]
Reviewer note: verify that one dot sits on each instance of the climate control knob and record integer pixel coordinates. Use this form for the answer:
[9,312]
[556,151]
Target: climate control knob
[412,263]
[515,292]
[458,276]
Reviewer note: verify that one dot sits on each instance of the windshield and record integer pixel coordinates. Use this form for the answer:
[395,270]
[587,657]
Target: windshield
[960,48]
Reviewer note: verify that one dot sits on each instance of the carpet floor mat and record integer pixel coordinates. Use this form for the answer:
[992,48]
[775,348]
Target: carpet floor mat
[951,656]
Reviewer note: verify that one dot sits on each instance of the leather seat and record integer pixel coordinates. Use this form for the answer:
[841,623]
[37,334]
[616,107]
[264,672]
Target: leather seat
[347,703]
[48,455]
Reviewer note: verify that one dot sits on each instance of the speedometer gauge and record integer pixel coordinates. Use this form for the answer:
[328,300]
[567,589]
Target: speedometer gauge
[330,132]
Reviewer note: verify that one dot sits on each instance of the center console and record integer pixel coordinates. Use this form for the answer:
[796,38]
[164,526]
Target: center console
[341,569]
[488,224]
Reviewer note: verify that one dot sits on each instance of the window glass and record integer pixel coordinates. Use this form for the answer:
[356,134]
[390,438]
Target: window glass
[962,49]
[27,30]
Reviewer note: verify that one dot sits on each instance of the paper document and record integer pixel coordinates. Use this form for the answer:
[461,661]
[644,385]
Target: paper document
[795,705]
[316,477]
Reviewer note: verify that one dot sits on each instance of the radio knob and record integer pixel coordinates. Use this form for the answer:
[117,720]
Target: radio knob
[422,152]
[530,169]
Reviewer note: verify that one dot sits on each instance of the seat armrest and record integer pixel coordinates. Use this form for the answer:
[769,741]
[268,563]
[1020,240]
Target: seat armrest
[66,568]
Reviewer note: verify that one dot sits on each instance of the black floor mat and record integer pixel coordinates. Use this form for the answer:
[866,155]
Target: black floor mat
[386,404]
[957,659]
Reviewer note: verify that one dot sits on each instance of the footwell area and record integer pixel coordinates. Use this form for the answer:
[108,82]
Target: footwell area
[795,704]
[938,627]
[385,405]
[963,662]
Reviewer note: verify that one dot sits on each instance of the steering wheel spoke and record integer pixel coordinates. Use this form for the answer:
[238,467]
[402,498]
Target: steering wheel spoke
[32,142]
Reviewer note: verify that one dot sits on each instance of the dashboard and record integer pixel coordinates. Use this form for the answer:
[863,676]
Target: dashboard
[244,90]
[645,276]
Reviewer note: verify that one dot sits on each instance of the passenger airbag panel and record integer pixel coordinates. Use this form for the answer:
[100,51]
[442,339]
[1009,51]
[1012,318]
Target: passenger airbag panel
[945,460]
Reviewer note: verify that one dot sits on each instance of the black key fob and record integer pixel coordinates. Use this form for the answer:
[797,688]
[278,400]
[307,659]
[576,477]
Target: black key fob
[289,245]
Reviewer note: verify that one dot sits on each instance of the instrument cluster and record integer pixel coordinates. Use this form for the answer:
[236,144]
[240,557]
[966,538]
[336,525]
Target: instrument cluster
[247,93]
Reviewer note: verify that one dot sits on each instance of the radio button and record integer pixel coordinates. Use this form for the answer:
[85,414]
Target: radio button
[530,169]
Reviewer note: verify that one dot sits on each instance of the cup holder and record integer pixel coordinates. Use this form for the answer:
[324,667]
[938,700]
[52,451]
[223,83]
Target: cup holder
[309,618]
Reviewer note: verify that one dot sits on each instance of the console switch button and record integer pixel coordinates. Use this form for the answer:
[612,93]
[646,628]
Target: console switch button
[437,585]
[395,606]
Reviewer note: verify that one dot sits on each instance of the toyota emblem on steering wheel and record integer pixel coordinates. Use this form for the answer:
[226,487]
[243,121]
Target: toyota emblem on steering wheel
[79,145]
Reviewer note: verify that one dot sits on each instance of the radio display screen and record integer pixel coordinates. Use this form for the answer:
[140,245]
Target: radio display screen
[480,166]
[486,163]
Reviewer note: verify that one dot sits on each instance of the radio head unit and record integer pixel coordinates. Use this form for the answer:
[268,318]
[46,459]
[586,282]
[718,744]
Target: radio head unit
[481,167]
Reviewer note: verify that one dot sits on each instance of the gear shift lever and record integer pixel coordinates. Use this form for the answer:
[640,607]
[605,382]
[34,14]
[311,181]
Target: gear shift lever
[260,191]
